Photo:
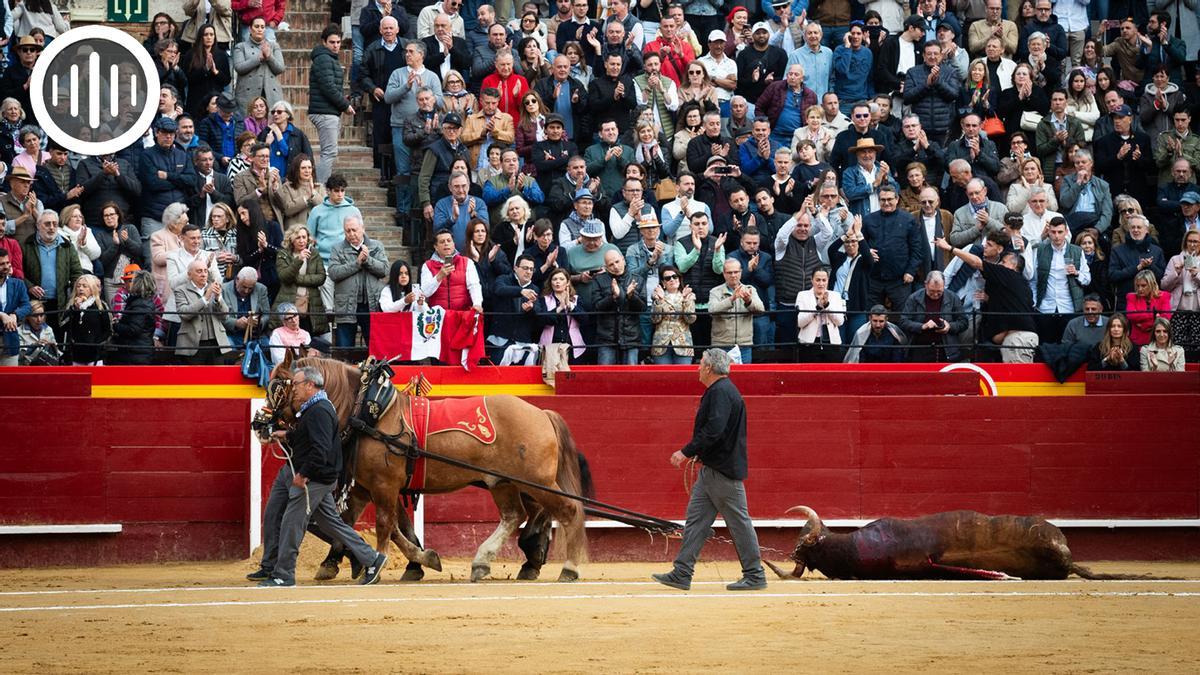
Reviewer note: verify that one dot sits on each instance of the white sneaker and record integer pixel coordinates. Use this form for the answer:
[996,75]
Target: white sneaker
[283,27]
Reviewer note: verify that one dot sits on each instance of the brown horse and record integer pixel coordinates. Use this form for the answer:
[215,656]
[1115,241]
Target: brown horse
[530,444]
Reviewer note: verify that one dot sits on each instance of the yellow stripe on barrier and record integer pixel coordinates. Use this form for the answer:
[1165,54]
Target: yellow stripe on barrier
[1039,389]
[252,391]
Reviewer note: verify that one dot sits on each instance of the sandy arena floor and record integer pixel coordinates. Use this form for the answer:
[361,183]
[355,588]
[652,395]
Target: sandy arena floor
[205,618]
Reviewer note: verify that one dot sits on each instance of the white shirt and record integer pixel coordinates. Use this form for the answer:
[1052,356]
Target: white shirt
[873,200]
[930,223]
[430,283]
[1058,295]
[722,69]
[1032,224]
[908,56]
[670,211]
[670,96]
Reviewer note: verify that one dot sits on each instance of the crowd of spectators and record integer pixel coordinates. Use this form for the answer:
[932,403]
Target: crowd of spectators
[624,181]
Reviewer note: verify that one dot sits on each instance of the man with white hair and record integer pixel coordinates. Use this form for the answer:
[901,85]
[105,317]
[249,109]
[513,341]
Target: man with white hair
[198,299]
[358,267]
[249,307]
[401,95]
[1037,215]
[816,58]
[933,318]
[449,8]
[977,216]
[178,262]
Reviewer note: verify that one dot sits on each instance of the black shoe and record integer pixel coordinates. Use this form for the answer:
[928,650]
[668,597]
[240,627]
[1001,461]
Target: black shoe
[371,574]
[673,580]
[260,574]
[356,568]
[275,582]
[747,584]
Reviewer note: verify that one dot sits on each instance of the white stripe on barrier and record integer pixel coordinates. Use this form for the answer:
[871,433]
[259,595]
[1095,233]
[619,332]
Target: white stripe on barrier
[606,598]
[850,522]
[78,528]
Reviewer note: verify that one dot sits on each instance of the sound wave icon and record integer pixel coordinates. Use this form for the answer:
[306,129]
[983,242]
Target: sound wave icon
[95,90]
[94,107]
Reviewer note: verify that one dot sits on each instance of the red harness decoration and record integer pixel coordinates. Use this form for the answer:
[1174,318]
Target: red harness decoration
[425,418]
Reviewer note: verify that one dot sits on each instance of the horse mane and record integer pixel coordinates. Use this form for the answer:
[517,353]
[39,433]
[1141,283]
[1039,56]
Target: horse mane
[341,383]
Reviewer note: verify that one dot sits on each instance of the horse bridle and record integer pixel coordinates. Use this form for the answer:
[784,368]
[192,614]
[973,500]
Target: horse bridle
[267,419]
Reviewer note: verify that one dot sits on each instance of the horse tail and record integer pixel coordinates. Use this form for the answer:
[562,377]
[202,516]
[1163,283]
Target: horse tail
[574,474]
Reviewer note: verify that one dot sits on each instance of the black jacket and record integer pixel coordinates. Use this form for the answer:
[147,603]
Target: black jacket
[719,432]
[617,319]
[210,131]
[858,285]
[223,193]
[512,322]
[86,332]
[606,106]
[1136,177]
[316,452]
[370,18]
[325,80]
[100,188]
[460,55]
[133,335]
[48,192]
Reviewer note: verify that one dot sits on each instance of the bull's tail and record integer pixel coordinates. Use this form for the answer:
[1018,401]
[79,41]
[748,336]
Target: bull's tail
[1086,573]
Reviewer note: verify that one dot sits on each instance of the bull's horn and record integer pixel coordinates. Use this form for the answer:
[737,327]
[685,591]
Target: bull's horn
[781,573]
[814,521]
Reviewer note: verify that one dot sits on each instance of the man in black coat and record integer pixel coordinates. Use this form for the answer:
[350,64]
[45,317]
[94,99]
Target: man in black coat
[841,155]
[444,43]
[1125,158]
[369,19]
[894,235]
[614,43]
[611,95]
[211,187]
[550,156]
[110,178]
[515,320]
[618,299]
[315,463]
[719,443]
[56,183]
[565,96]
[759,63]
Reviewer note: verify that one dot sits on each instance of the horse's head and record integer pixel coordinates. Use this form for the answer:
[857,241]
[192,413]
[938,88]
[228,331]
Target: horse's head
[280,407]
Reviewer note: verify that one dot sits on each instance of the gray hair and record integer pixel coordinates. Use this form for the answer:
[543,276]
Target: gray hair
[1037,35]
[143,284]
[422,90]
[739,96]
[910,117]
[959,164]
[976,182]
[1037,190]
[248,274]
[418,45]
[286,106]
[717,359]
[1084,154]
[285,308]
[174,212]
[30,129]
[312,374]
[934,276]
[354,218]
[46,214]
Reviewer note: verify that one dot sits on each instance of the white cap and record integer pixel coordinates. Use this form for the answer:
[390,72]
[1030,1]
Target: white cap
[716,35]
[761,25]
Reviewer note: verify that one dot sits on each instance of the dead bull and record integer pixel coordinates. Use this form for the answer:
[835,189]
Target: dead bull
[950,545]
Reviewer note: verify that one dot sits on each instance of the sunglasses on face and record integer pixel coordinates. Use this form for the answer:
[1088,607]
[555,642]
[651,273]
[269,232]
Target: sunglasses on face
[1125,212]
[669,277]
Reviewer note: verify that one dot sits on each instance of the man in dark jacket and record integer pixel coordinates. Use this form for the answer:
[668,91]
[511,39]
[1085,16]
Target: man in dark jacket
[380,60]
[888,75]
[611,95]
[166,175]
[860,127]
[15,81]
[515,321]
[315,463]
[370,19]
[210,188]
[109,178]
[932,90]
[1125,158]
[614,43]
[565,96]
[443,45]
[895,236]
[326,102]
[51,267]
[56,183]
[618,300]
[933,319]
[434,177]
[220,131]
[719,443]
[550,156]
[759,63]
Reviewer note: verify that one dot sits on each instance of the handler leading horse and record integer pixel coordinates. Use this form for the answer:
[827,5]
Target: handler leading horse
[527,443]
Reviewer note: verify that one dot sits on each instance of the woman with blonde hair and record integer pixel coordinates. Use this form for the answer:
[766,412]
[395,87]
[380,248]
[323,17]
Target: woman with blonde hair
[87,324]
[455,97]
[698,86]
[1144,304]
[976,94]
[1031,177]
[1162,355]
[301,275]
[814,130]
[1124,208]
[80,236]
[674,313]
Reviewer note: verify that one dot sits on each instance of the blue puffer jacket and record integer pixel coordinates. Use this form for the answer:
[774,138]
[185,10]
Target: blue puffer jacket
[158,193]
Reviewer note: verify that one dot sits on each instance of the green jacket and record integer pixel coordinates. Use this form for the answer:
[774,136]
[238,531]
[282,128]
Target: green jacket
[288,264]
[612,172]
[1165,155]
[1044,255]
[66,265]
[1047,147]
[325,80]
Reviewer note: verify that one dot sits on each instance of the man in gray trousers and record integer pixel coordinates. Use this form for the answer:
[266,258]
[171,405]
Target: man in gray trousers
[719,443]
[317,461]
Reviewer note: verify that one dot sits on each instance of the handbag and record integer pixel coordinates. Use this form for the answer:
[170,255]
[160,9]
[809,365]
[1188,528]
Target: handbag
[665,190]
[993,126]
[1030,120]
[555,358]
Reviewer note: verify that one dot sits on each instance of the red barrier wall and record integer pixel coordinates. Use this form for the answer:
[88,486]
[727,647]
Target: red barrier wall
[173,473]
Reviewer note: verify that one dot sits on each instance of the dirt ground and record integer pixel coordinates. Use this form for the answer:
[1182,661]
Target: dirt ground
[206,618]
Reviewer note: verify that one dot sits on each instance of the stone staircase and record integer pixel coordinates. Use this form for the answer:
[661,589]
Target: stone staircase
[306,19]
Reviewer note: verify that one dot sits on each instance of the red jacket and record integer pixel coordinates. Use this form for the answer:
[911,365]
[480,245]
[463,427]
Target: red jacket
[675,59]
[14,256]
[1142,314]
[271,11]
[512,91]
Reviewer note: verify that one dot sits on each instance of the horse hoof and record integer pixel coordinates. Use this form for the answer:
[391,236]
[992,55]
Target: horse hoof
[326,572]
[413,572]
[479,571]
[568,575]
[529,572]
[433,561]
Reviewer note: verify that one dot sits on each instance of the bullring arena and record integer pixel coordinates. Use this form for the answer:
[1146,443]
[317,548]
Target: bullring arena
[127,542]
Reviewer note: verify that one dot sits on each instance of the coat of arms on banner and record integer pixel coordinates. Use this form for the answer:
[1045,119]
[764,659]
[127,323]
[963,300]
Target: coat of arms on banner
[429,323]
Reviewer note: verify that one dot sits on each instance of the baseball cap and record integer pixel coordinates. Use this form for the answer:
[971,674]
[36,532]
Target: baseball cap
[716,36]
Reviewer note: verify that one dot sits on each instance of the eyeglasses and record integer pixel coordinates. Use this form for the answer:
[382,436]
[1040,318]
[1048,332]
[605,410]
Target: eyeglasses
[278,112]
[289,317]
[527,268]
[670,277]
[861,115]
[1126,212]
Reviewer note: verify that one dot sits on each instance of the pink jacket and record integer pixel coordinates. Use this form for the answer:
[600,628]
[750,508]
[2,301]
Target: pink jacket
[1142,314]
